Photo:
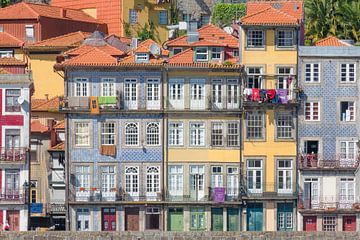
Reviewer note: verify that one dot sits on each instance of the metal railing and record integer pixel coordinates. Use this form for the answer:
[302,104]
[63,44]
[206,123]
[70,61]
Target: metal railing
[316,161]
[12,195]
[269,189]
[328,202]
[270,96]
[13,154]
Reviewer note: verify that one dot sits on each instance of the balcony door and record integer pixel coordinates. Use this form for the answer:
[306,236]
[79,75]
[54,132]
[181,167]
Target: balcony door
[176,93]
[197,191]
[153,94]
[130,94]
[12,181]
[217,101]
[232,94]
[347,192]
[311,193]
[109,219]
[132,182]
[197,94]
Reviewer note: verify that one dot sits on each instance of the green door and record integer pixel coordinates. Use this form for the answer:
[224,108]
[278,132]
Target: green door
[233,222]
[217,219]
[176,220]
[255,217]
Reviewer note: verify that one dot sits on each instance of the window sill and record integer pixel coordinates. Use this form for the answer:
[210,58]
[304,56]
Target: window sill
[292,48]
[255,48]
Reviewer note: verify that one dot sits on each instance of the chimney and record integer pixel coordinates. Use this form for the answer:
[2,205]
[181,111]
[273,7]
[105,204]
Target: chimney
[53,138]
[62,12]
[134,43]
[192,32]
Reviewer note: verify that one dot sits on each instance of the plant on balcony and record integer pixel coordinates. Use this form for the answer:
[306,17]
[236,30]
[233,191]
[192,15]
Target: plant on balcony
[82,189]
[113,189]
[93,189]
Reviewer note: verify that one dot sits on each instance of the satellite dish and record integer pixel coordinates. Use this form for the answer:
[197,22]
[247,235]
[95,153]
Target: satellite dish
[21,100]
[155,49]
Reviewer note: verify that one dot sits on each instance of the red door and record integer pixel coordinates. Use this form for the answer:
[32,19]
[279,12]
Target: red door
[349,223]
[109,219]
[13,219]
[132,219]
[309,223]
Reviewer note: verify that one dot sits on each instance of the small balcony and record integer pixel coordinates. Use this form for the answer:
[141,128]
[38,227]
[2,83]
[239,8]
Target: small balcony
[13,154]
[255,96]
[328,203]
[270,190]
[317,161]
[12,195]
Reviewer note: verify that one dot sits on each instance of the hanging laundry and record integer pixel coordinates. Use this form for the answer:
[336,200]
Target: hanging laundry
[282,95]
[263,95]
[247,93]
[255,94]
[270,94]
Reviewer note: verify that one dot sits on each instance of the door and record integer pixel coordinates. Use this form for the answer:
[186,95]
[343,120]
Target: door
[217,101]
[197,94]
[13,219]
[217,219]
[176,93]
[311,193]
[130,94]
[12,143]
[12,187]
[349,223]
[232,190]
[83,220]
[153,94]
[232,94]
[132,182]
[108,219]
[347,192]
[233,221]
[176,219]
[132,219]
[285,217]
[197,191]
[255,217]
[309,223]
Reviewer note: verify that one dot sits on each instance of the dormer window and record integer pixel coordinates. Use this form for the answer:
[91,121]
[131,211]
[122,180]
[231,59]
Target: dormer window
[141,57]
[177,50]
[202,54]
[216,53]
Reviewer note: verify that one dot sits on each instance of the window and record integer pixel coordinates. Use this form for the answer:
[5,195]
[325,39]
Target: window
[29,33]
[233,134]
[177,50]
[163,17]
[152,179]
[347,72]
[82,219]
[284,173]
[348,151]
[33,192]
[130,93]
[216,53]
[33,150]
[285,38]
[312,72]
[82,177]
[152,218]
[201,54]
[108,133]
[255,38]
[176,134]
[81,87]
[197,219]
[329,223]
[197,93]
[254,176]
[176,179]
[284,77]
[204,20]
[131,134]
[347,192]
[153,93]
[11,101]
[12,139]
[141,57]
[108,87]
[197,134]
[197,180]
[152,134]
[347,111]
[235,53]
[133,18]
[254,125]
[82,134]
[254,78]
[232,181]
[312,111]
[132,180]
[217,134]
[216,176]
[6,53]
[108,176]
[284,126]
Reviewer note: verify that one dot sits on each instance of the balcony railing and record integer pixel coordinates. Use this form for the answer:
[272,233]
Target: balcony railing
[273,96]
[328,203]
[317,161]
[12,154]
[205,103]
[266,189]
[220,194]
[12,195]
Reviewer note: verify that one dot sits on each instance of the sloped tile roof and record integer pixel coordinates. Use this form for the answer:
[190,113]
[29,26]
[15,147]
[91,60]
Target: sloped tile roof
[68,40]
[122,39]
[293,8]
[25,10]
[270,16]
[93,57]
[8,40]
[144,47]
[182,57]
[331,41]
[209,33]
[37,126]
[45,104]
[108,49]
[11,61]
[58,147]
[60,125]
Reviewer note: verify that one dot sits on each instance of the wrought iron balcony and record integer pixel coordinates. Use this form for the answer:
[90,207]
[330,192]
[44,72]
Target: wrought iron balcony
[219,194]
[252,96]
[13,154]
[12,195]
[269,189]
[328,203]
[317,161]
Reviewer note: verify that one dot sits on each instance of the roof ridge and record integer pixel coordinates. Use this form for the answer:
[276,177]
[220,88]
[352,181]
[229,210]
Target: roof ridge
[30,8]
[48,100]
[13,37]
[57,37]
[255,13]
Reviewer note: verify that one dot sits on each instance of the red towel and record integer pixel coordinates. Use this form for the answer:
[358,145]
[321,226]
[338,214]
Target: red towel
[256,94]
[271,93]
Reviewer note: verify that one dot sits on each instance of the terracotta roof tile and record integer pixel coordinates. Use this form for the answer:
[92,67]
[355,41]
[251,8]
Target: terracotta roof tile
[331,41]
[291,7]
[3,71]
[25,10]
[182,57]
[93,57]
[108,49]
[68,40]
[58,147]
[208,43]
[270,16]
[37,126]
[125,40]
[45,105]
[11,61]
[8,40]
[60,125]
[144,47]
[210,33]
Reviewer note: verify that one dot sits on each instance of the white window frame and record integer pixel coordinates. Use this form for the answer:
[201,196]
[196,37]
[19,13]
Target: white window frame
[257,121]
[254,74]
[312,73]
[252,171]
[197,134]
[286,172]
[311,111]
[153,89]
[232,181]
[347,192]
[152,180]
[108,178]
[30,29]
[108,133]
[329,223]
[197,54]
[217,177]
[217,134]
[176,134]
[108,87]
[132,138]
[348,153]
[347,76]
[83,177]
[233,134]
[350,113]
[153,134]
[132,180]
[133,16]
[81,87]
[81,133]
[250,38]
[284,126]
[286,39]
[141,57]
[176,180]
[217,51]
[283,74]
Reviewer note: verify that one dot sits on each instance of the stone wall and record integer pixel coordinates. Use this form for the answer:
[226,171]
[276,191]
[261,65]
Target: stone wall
[178,236]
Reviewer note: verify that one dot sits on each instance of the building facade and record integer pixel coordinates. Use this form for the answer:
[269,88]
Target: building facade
[15,93]
[329,136]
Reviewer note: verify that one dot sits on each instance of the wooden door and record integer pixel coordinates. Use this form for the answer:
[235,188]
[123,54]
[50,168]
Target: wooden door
[13,220]
[309,223]
[349,223]
[255,217]
[233,221]
[132,219]
[217,219]
[109,219]
[176,220]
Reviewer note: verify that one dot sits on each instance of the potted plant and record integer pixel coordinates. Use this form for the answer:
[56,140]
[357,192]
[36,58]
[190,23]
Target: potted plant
[82,189]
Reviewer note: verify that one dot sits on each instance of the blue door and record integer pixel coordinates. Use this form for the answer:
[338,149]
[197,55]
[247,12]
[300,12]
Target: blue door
[255,217]
[285,218]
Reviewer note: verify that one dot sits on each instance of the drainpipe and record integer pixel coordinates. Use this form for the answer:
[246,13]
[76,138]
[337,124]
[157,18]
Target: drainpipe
[297,127]
[164,151]
[240,44]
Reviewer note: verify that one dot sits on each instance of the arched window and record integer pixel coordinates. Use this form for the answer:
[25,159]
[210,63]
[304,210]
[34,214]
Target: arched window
[132,134]
[152,134]
[132,180]
[152,179]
